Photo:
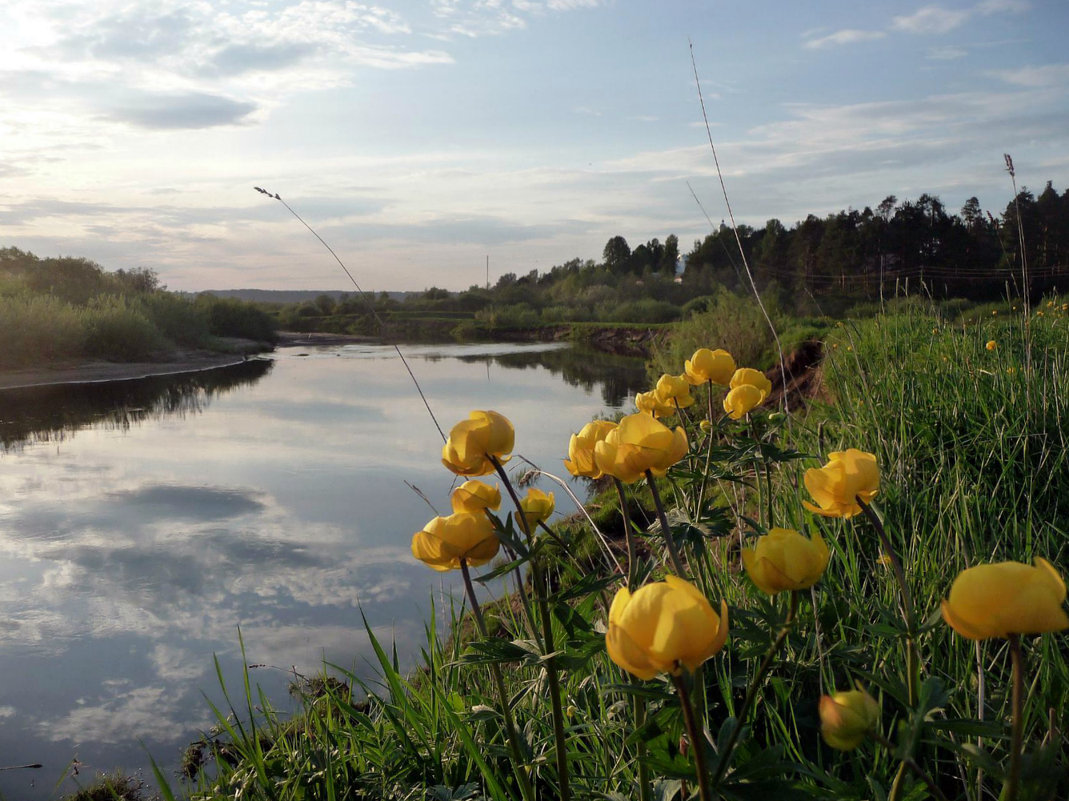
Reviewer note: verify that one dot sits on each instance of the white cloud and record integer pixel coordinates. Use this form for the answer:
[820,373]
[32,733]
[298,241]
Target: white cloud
[571,5]
[937,19]
[931,20]
[843,37]
[1046,75]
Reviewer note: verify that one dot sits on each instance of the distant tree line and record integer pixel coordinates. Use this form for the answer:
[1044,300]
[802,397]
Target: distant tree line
[819,265]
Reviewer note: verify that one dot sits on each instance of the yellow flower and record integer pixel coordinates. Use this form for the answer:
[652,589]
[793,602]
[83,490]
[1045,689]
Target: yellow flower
[705,426]
[475,496]
[674,391]
[991,344]
[444,541]
[846,717]
[785,560]
[652,403]
[473,441]
[640,443]
[755,378]
[994,312]
[536,507]
[580,461]
[664,627]
[835,487]
[741,400]
[709,365]
[1006,598]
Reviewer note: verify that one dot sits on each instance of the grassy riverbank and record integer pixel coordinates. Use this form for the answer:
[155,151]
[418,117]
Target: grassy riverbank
[966,413]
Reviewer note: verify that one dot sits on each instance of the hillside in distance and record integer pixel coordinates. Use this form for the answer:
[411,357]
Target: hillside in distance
[292,295]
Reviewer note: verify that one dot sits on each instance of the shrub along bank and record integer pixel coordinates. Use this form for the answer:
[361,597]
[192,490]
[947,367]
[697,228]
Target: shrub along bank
[64,309]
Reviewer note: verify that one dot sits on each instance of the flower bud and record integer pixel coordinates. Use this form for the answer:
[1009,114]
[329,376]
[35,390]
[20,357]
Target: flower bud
[846,717]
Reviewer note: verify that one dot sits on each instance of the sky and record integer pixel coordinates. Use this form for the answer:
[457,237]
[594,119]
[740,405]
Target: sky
[422,139]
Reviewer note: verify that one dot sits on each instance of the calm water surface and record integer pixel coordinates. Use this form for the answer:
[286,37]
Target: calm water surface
[142,523]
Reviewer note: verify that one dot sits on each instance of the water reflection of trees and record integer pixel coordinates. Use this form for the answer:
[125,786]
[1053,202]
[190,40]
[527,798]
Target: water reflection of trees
[51,413]
[617,378]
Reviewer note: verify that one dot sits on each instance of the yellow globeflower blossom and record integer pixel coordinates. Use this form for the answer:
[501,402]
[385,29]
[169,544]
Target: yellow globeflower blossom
[640,443]
[1006,598]
[755,378]
[741,400]
[475,496]
[445,541]
[848,475]
[709,365]
[652,403]
[846,717]
[537,507]
[474,441]
[991,344]
[785,560]
[580,461]
[664,627]
[674,391]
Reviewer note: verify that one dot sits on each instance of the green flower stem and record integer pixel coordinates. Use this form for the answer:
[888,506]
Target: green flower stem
[673,552]
[708,449]
[639,711]
[755,685]
[629,537]
[684,418]
[548,646]
[521,591]
[911,764]
[1009,792]
[519,764]
[768,473]
[697,740]
[912,667]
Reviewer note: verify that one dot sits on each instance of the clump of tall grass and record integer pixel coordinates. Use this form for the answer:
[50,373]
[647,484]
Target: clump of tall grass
[732,321]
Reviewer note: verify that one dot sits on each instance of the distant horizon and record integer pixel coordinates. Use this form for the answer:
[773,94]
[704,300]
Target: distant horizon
[419,137]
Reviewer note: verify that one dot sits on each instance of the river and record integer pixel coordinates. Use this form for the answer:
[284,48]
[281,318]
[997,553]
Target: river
[144,523]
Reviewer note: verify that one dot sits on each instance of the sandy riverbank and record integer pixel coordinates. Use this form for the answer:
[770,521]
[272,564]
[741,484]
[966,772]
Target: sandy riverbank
[86,372]
[181,361]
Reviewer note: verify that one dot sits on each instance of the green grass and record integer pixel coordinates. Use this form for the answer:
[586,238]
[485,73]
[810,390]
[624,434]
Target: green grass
[972,452]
